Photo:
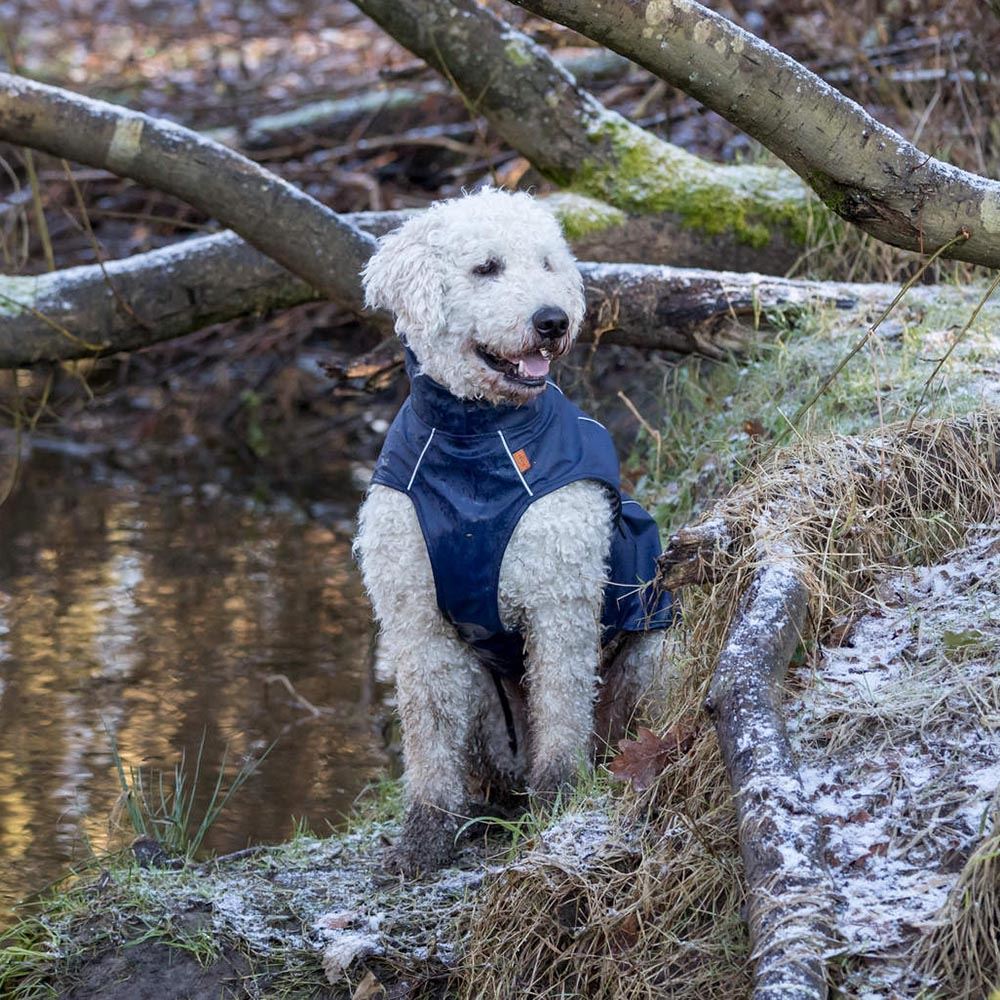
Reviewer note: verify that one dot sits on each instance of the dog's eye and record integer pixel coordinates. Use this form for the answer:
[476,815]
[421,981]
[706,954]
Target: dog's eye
[547,264]
[489,268]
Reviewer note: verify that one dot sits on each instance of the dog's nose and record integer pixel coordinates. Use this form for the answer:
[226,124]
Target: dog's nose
[550,322]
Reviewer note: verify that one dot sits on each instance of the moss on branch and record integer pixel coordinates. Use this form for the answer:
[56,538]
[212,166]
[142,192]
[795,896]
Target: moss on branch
[640,174]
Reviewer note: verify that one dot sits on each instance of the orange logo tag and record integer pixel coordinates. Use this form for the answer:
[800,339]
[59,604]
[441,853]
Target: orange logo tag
[522,461]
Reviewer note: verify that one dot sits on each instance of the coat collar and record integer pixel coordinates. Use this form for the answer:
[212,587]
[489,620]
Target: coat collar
[448,414]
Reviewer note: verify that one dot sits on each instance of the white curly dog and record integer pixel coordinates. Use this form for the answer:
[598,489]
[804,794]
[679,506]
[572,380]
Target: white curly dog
[486,293]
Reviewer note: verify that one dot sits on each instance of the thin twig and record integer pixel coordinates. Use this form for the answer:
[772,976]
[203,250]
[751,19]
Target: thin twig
[288,686]
[947,354]
[649,429]
[793,423]
[98,252]
[39,209]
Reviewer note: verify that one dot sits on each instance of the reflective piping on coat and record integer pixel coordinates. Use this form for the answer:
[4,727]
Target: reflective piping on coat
[421,458]
[512,462]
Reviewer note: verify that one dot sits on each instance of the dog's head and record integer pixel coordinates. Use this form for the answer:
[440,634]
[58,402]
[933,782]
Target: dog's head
[485,292]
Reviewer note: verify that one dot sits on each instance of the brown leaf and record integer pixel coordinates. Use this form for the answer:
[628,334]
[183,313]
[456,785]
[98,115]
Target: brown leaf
[840,634]
[337,920]
[875,851]
[641,760]
[368,988]
[625,935]
[754,428]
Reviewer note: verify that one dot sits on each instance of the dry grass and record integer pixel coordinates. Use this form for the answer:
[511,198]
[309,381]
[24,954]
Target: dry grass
[960,954]
[652,908]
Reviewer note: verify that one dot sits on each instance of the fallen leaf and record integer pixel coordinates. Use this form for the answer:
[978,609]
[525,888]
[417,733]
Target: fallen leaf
[753,429]
[875,851]
[625,935]
[641,760]
[336,921]
[368,988]
[840,634]
[343,949]
[956,640]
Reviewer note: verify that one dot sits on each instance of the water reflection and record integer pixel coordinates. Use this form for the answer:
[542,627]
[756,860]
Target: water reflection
[165,617]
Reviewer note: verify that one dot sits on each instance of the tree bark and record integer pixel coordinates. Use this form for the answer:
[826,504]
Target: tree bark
[280,220]
[791,902]
[692,554]
[128,304]
[78,312]
[699,213]
[868,174]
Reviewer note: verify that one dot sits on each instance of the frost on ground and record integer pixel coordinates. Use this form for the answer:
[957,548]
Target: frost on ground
[898,738]
[334,901]
[331,899]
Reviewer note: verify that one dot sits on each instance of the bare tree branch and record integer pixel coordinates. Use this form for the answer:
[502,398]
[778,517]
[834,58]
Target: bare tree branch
[865,172]
[700,213]
[280,220]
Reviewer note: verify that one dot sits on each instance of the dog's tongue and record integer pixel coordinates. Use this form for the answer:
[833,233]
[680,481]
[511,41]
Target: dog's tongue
[533,365]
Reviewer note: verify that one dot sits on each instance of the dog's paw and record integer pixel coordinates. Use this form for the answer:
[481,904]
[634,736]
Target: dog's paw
[551,784]
[426,843]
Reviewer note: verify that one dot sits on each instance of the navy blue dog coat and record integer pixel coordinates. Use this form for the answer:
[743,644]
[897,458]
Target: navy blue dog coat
[471,470]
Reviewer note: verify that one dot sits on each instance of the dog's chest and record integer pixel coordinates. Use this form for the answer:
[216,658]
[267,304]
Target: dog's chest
[560,543]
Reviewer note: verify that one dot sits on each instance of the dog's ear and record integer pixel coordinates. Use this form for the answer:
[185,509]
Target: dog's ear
[405,276]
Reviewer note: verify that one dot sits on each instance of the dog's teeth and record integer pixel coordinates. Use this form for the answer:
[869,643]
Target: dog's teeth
[546,353]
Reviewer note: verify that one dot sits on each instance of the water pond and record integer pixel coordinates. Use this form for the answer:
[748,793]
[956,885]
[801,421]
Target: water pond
[166,616]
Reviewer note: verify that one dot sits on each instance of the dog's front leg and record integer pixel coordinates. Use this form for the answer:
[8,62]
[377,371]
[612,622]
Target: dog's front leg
[434,688]
[435,684]
[552,580]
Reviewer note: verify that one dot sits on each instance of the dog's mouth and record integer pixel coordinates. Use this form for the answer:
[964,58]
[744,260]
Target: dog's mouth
[528,369]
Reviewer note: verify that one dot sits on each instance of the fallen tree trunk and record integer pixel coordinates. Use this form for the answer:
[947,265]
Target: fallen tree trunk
[142,300]
[865,172]
[78,312]
[791,905]
[698,213]
[280,220]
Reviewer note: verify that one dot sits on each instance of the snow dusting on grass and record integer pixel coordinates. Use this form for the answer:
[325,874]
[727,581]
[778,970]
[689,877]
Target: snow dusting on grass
[897,737]
[331,899]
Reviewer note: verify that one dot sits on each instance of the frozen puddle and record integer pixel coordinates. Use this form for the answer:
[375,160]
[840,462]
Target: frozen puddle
[898,740]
